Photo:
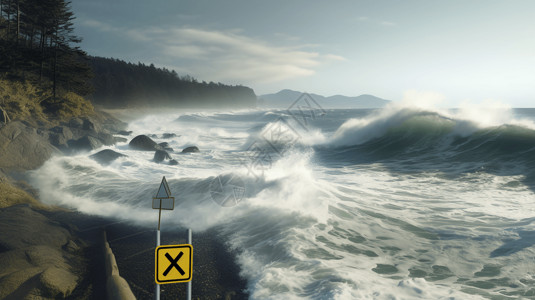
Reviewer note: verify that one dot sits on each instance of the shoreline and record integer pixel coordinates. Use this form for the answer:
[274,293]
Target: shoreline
[75,238]
[215,273]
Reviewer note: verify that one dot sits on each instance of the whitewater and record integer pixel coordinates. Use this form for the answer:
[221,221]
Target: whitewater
[402,202]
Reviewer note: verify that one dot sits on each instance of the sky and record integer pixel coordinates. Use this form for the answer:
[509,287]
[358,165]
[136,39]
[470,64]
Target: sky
[466,51]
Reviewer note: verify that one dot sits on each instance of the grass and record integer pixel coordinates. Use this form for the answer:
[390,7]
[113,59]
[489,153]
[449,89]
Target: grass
[25,101]
[11,195]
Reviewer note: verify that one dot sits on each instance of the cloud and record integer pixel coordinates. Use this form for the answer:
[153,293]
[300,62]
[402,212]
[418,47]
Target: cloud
[226,56]
[100,26]
[386,23]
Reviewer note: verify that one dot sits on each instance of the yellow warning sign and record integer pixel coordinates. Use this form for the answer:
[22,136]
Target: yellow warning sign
[174,263]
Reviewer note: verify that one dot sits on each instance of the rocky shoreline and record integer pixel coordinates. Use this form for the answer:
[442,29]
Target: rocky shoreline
[50,253]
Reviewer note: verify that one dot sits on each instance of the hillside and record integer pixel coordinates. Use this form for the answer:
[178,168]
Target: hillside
[285,98]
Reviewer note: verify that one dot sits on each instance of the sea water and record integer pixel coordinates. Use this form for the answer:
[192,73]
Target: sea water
[402,202]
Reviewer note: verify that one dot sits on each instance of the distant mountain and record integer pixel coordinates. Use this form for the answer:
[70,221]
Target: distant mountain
[286,98]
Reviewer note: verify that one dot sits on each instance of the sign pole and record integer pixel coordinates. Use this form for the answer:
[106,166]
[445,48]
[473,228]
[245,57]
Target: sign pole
[173,263]
[189,282]
[157,292]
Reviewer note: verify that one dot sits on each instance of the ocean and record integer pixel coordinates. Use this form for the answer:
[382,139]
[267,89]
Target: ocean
[403,202]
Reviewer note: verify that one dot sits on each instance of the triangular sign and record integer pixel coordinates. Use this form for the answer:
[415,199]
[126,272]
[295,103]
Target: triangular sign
[163,192]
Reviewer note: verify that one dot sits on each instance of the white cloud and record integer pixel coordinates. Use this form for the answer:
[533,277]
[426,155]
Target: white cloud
[97,25]
[225,55]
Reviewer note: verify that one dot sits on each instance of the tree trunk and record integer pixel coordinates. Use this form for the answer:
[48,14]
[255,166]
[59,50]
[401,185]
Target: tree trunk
[42,45]
[55,66]
[18,21]
[8,19]
[55,63]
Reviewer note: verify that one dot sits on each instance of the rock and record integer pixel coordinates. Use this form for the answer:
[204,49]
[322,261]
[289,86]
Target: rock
[118,139]
[57,283]
[76,123]
[106,138]
[161,155]
[124,132]
[22,148]
[91,126]
[86,143]
[117,288]
[168,135]
[60,135]
[190,149]
[106,156]
[173,162]
[23,227]
[71,246]
[165,146]
[143,143]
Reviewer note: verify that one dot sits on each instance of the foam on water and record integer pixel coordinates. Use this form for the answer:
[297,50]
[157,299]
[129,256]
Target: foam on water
[337,216]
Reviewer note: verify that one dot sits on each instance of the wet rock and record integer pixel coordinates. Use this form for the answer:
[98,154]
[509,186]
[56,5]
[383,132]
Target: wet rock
[190,149]
[86,143]
[165,146]
[90,125]
[124,132]
[161,155]
[60,135]
[118,139]
[173,162]
[106,138]
[168,135]
[106,156]
[143,143]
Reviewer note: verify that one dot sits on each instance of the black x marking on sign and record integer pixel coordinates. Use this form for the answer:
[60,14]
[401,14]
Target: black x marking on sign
[174,263]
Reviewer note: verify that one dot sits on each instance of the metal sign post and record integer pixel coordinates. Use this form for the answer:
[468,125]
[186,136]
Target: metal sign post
[189,282]
[163,200]
[173,263]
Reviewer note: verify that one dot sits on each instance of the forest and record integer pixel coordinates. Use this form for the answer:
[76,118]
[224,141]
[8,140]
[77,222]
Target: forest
[119,84]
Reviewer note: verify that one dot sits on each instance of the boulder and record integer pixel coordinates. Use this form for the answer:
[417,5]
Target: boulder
[118,139]
[60,135]
[106,138]
[165,146]
[124,132]
[168,135]
[91,126]
[106,156]
[76,123]
[22,147]
[173,162]
[143,143]
[23,227]
[86,143]
[190,149]
[57,283]
[161,155]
